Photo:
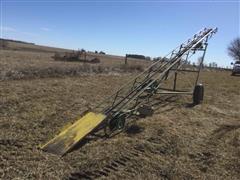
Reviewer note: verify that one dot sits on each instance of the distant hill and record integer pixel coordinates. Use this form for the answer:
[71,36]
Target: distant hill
[9,44]
[10,40]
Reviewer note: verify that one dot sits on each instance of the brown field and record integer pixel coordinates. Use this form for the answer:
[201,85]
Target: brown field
[26,61]
[178,142]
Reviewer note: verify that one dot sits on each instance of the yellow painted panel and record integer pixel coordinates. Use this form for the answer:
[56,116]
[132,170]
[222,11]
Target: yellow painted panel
[73,134]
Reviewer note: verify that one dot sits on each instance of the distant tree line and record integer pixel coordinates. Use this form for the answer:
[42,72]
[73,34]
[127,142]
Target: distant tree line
[100,52]
[138,56]
[161,58]
[210,65]
[213,65]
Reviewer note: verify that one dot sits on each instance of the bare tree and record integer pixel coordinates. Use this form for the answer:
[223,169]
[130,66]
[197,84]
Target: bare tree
[234,49]
[200,61]
[213,65]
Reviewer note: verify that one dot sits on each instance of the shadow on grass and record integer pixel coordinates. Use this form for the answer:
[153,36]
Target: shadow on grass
[190,105]
[224,129]
[134,129]
[85,141]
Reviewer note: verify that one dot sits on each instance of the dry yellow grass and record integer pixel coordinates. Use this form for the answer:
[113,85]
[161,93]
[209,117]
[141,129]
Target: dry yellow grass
[27,65]
[27,61]
[177,142]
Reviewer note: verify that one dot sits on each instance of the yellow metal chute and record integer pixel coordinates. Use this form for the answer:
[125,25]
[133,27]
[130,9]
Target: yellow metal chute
[69,137]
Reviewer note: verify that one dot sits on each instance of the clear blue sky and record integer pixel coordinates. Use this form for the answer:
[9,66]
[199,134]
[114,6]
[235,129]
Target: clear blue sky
[152,28]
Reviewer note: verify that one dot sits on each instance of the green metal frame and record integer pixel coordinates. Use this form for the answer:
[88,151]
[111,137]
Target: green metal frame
[148,83]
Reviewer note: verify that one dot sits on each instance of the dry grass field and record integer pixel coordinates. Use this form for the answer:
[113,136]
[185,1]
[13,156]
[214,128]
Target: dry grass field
[26,61]
[178,142]
[28,65]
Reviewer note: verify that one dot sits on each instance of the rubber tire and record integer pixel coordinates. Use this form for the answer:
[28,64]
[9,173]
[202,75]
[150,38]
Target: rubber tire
[121,123]
[198,94]
[233,74]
